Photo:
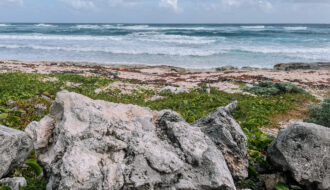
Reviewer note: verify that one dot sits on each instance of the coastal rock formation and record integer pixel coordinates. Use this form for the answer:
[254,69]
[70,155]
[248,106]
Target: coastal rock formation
[303,149]
[15,147]
[228,136]
[93,144]
[14,183]
[226,68]
[175,90]
[303,66]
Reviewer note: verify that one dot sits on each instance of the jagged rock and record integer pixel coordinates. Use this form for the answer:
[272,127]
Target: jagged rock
[303,149]
[15,147]
[270,180]
[226,133]
[303,66]
[93,144]
[226,68]
[175,90]
[14,183]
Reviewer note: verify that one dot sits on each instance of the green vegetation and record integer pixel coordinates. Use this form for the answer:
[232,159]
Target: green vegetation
[274,88]
[282,186]
[20,93]
[2,187]
[320,114]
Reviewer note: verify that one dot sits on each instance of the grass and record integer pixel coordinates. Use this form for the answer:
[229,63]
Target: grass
[21,92]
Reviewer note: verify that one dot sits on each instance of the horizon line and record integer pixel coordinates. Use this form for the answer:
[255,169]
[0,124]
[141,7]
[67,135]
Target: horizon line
[179,23]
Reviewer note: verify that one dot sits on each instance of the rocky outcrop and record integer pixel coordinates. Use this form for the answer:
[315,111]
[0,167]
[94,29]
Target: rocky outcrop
[303,66]
[175,90]
[87,144]
[228,136]
[15,147]
[14,183]
[226,68]
[303,149]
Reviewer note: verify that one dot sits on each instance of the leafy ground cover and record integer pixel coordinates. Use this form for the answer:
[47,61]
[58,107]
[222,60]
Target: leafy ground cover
[20,93]
[274,88]
[320,114]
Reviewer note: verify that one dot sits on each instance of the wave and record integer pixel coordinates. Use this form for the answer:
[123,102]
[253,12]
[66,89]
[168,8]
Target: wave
[148,27]
[253,27]
[145,37]
[87,26]
[58,37]
[296,28]
[4,25]
[176,39]
[282,50]
[44,25]
[142,51]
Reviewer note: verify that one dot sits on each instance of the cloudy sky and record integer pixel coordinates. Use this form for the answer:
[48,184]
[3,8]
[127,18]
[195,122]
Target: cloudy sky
[166,11]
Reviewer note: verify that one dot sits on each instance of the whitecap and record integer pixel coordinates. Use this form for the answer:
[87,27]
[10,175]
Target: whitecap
[44,25]
[87,26]
[60,37]
[253,27]
[296,28]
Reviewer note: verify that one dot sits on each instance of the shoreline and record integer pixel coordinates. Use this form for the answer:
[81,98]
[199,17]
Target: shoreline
[277,67]
[229,79]
[316,75]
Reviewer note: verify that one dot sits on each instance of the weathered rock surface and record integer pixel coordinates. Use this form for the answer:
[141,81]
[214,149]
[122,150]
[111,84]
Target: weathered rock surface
[14,183]
[303,66]
[87,144]
[228,136]
[226,68]
[15,147]
[268,181]
[303,149]
[175,90]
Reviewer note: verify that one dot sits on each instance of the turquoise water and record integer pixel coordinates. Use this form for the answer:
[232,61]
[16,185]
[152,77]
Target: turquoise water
[192,46]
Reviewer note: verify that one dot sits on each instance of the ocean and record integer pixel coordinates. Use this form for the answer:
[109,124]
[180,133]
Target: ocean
[183,45]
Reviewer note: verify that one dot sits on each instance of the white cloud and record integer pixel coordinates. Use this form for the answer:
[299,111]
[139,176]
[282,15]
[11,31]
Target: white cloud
[20,2]
[79,4]
[125,3]
[170,4]
[265,4]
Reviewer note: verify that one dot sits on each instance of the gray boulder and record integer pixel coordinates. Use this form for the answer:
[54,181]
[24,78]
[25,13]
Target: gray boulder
[15,147]
[93,144]
[228,136]
[226,68]
[173,89]
[303,66]
[303,149]
[14,183]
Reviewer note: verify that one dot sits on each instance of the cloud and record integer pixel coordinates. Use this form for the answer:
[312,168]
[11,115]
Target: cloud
[169,4]
[265,4]
[79,4]
[125,3]
[20,2]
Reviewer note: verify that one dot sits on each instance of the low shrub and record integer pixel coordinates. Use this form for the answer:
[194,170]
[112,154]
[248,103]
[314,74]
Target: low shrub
[320,114]
[274,88]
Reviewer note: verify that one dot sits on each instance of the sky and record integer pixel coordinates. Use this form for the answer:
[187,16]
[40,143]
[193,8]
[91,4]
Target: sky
[165,11]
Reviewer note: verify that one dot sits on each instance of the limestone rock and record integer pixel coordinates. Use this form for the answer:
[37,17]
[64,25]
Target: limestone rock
[303,149]
[14,183]
[226,133]
[175,90]
[93,144]
[303,66]
[226,68]
[15,148]
[270,180]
